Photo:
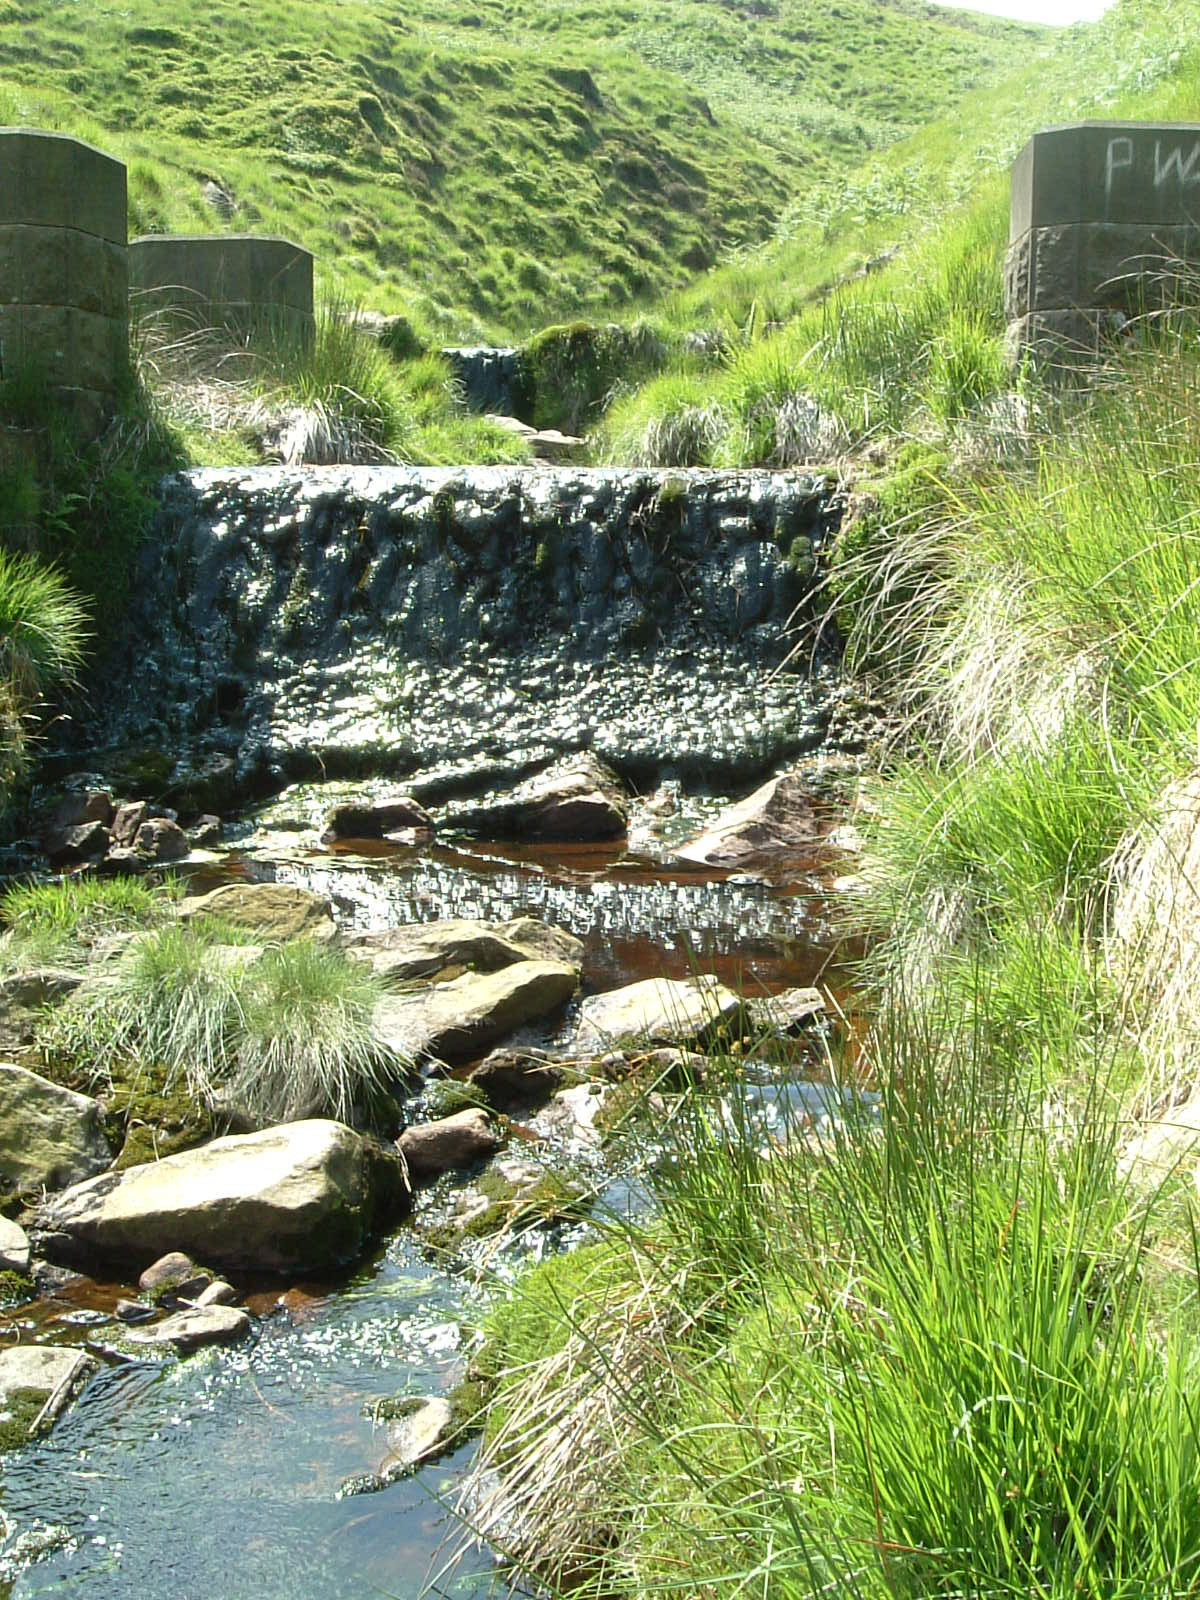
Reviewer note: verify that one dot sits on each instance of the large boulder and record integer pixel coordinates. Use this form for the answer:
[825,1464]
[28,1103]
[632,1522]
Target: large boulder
[303,1197]
[659,1011]
[424,950]
[772,831]
[273,912]
[36,1383]
[395,817]
[575,801]
[463,1018]
[49,1136]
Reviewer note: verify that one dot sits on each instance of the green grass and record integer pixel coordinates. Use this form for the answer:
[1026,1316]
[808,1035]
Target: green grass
[484,166]
[931,1358]
[272,1035]
[58,924]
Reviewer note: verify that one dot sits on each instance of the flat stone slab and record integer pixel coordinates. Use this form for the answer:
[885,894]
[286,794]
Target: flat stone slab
[306,1195]
[462,1018]
[423,950]
[196,1327]
[274,911]
[577,800]
[39,1375]
[49,1136]
[658,1011]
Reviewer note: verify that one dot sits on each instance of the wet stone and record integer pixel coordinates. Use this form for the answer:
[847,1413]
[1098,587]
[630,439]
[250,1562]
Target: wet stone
[196,1327]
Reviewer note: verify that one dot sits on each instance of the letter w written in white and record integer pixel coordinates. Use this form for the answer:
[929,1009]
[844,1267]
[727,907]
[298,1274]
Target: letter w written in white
[1188,172]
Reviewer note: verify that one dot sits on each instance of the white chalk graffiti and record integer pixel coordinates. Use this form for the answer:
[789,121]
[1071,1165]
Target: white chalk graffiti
[1187,172]
[1120,156]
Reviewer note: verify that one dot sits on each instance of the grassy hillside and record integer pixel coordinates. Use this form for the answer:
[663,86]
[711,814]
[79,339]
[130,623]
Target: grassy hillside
[485,164]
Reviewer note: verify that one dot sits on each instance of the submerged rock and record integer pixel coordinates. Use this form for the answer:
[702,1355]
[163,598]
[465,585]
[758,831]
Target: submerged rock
[307,1195]
[462,1018]
[658,1011]
[431,1148]
[577,800]
[772,830]
[274,911]
[49,1136]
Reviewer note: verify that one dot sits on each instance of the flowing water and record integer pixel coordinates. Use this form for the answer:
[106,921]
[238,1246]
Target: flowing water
[218,1476]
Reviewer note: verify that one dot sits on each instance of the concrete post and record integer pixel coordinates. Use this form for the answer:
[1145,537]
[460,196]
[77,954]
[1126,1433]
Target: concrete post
[64,287]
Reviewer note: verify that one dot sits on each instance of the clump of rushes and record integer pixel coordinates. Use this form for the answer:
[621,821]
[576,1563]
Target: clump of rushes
[921,1354]
[42,634]
[271,1035]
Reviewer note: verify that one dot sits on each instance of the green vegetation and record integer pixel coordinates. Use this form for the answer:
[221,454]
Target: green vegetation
[185,1017]
[488,167]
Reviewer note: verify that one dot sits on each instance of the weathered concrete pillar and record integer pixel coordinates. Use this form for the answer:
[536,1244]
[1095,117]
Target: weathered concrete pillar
[1105,225]
[64,286]
[234,281]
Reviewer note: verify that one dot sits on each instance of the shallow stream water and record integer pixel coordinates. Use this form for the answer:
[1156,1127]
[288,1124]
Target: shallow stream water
[218,1476]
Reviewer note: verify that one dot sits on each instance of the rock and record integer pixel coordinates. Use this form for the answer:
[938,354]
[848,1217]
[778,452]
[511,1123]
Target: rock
[659,1011]
[548,444]
[1163,1145]
[789,1012]
[195,1327]
[167,1272]
[276,911]
[128,820]
[576,800]
[218,1293]
[305,1195]
[573,1112]
[460,1019]
[511,1078]
[423,950]
[773,830]
[417,1436]
[70,847]
[75,810]
[387,816]
[122,861]
[159,839]
[49,1136]
[205,832]
[432,1148]
[33,1376]
[133,1312]
[14,1248]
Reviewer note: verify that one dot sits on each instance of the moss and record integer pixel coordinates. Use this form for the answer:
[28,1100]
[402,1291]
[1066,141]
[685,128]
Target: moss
[15,1288]
[568,370]
[20,1412]
[446,1096]
[146,1121]
[510,1205]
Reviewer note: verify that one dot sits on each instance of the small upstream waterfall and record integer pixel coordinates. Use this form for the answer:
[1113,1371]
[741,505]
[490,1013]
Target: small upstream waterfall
[458,628]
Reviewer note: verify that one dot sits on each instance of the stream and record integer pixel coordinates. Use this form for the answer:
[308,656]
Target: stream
[219,1475]
[451,631]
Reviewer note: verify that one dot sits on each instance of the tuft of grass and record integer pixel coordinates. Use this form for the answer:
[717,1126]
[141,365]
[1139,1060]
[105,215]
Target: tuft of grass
[270,1035]
[304,1042]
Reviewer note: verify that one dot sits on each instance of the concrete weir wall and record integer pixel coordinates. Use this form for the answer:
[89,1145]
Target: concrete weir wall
[64,285]
[232,281]
[1105,224]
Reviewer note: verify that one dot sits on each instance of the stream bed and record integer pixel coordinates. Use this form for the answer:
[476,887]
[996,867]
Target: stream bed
[219,1475]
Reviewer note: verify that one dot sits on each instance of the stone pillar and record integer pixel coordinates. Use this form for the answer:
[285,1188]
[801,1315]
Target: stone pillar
[1105,225]
[232,281]
[64,285]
